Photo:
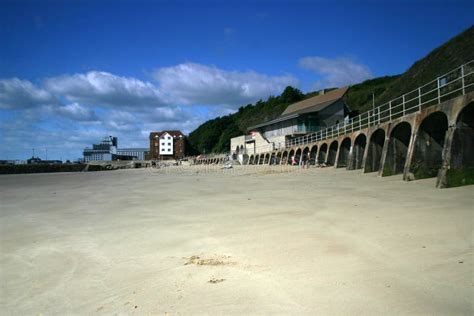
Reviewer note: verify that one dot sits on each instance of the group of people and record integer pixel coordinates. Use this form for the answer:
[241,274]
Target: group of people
[304,161]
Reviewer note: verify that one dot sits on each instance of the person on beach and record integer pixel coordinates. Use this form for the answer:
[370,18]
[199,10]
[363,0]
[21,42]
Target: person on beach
[304,161]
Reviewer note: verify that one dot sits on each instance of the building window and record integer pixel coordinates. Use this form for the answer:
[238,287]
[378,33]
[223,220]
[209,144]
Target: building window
[169,144]
[169,149]
[169,137]
[162,144]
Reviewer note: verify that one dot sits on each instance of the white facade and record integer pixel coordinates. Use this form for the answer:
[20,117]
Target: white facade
[166,144]
[250,144]
[107,150]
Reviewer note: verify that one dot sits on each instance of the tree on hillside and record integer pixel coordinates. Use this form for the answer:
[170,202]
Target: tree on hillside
[291,95]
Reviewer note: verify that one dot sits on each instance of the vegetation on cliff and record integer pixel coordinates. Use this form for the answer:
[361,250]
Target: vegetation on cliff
[214,135]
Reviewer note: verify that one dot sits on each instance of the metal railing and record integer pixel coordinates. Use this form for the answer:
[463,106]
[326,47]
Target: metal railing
[450,85]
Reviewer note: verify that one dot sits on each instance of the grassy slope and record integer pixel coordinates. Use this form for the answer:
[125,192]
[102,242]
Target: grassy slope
[214,135]
[448,56]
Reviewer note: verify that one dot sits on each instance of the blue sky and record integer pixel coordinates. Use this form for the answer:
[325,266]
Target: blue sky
[73,72]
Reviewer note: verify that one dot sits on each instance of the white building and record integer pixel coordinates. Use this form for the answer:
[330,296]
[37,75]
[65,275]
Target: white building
[166,144]
[102,151]
[107,150]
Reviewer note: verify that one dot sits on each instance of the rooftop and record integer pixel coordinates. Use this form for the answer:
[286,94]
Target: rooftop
[310,105]
[173,133]
[316,103]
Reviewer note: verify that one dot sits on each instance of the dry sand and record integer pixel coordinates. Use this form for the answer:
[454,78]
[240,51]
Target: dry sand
[239,241]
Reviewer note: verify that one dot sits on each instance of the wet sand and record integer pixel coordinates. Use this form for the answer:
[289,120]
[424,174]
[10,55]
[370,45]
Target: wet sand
[240,241]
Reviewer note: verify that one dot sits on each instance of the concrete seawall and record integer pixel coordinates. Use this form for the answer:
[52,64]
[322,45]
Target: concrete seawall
[437,141]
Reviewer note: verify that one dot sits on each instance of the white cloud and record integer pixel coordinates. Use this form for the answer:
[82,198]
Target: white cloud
[191,83]
[21,94]
[336,72]
[67,113]
[105,89]
[77,112]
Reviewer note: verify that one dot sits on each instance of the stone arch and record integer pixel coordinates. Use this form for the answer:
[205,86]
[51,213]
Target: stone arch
[398,144]
[284,157]
[428,147]
[237,150]
[290,155]
[272,159]
[322,153]
[332,153]
[374,154]
[261,160]
[298,155]
[251,160]
[306,153]
[278,157]
[461,171]
[312,155]
[358,151]
[267,159]
[344,150]
[245,159]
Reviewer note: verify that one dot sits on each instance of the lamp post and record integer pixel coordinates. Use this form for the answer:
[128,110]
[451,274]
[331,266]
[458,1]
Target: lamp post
[373,100]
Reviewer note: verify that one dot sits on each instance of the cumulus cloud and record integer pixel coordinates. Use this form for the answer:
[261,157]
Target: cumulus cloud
[77,112]
[192,83]
[22,94]
[105,89]
[66,113]
[336,72]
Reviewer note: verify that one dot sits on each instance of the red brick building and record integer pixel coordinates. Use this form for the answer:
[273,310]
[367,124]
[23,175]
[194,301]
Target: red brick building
[167,145]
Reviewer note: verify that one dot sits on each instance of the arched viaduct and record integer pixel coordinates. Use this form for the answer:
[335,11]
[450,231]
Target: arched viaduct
[437,141]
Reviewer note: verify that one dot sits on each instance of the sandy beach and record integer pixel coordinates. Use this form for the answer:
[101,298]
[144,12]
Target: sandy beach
[253,240]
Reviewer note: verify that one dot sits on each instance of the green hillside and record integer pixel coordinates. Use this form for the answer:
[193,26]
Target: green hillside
[214,135]
[448,56]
